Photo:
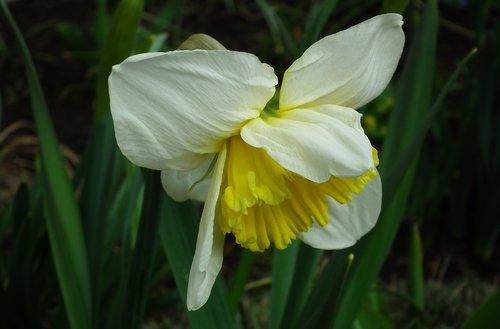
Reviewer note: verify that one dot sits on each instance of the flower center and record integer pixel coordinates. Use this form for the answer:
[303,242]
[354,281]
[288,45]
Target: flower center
[263,203]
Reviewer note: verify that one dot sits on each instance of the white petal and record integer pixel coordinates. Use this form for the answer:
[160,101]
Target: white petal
[208,256]
[349,68]
[182,185]
[348,222]
[170,107]
[314,143]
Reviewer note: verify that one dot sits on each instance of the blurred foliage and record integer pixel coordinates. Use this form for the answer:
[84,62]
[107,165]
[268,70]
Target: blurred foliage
[72,222]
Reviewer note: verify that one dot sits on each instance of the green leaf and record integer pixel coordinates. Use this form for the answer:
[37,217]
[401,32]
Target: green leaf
[408,127]
[101,22]
[283,270]
[368,318]
[123,210]
[398,170]
[103,165]
[164,17]
[394,6]
[316,21]
[118,46]
[131,300]
[98,166]
[414,90]
[414,95]
[318,307]
[16,210]
[24,267]
[416,275]
[280,34]
[60,208]
[486,316]
[484,120]
[240,279]
[304,276]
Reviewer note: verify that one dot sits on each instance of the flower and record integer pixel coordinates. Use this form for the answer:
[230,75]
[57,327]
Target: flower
[267,175]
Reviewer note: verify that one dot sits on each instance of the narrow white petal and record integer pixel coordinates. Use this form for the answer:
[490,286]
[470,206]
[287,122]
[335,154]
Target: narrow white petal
[348,222]
[349,68]
[314,143]
[182,185]
[170,107]
[208,256]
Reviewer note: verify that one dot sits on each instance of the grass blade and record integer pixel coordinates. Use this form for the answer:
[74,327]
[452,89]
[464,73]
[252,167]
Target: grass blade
[102,21]
[416,275]
[241,278]
[103,162]
[316,22]
[368,318]
[304,277]
[394,6]
[486,316]
[408,128]
[283,269]
[318,307]
[117,48]
[280,34]
[397,172]
[60,208]
[414,95]
[132,298]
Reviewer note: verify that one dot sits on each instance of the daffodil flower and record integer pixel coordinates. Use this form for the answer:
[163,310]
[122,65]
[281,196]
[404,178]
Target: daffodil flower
[304,169]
